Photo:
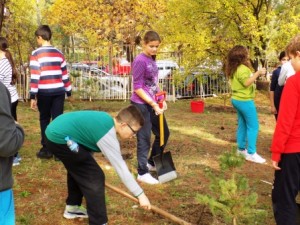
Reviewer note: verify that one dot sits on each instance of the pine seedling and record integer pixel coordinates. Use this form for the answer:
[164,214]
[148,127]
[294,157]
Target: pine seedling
[231,197]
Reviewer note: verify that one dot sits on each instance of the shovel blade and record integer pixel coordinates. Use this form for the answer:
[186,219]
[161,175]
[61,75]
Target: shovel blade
[165,167]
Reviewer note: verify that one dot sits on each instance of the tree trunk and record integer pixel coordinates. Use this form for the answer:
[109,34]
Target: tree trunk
[2,14]
[234,222]
[262,85]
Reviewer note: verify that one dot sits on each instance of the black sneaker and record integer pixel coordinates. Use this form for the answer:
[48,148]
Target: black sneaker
[44,154]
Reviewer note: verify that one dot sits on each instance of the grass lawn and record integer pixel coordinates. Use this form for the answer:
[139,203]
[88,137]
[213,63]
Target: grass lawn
[196,142]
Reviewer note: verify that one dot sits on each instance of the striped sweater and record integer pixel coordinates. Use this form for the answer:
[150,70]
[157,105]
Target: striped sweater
[5,78]
[49,75]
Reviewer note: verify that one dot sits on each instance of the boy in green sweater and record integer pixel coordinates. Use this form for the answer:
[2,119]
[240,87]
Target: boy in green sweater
[93,131]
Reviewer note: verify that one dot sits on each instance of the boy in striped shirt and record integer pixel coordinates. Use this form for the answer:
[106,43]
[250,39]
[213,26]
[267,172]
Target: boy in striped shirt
[49,82]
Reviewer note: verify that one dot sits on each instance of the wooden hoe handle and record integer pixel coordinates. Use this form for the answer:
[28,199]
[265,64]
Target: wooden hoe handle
[153,208]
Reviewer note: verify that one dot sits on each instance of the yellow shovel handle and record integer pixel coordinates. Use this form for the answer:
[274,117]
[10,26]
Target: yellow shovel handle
[161,130]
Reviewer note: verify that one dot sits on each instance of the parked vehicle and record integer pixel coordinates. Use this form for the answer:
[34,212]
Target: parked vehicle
[119,80]
[110,89]
[119,67]
[204,80]
[165,68]
[79,66]
[103,84]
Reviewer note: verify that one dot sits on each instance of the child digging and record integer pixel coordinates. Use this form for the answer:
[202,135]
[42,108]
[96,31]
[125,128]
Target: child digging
[94,131]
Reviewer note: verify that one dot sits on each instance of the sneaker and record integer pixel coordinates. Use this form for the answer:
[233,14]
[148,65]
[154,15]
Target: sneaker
[18,157]
[255,158]
[44,154]
[242,152]
[151,168]
[75,211]
[16,161]
[147,178]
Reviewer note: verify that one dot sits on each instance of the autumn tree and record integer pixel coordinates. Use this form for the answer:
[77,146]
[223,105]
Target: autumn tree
[184,31]
[209,30]
[19,28]
[3,13]
[253,23]
[102,22]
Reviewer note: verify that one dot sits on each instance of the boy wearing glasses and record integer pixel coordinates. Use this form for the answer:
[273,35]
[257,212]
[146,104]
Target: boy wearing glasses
[94,131]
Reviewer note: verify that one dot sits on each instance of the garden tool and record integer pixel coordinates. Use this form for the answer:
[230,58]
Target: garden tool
[163,162]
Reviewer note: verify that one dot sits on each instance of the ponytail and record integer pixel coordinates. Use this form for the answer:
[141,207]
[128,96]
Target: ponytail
[14,76]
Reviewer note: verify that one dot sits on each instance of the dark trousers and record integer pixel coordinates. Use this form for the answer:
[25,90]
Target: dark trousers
[49,107]
[14,114]
[85,179]
[144,137]
[14,109]
[285,189]
[277,97]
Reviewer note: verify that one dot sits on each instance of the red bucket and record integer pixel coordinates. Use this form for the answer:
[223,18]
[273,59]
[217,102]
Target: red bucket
[197,106]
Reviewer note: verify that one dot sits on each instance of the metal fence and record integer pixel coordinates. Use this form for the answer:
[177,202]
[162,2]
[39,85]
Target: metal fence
[100,85]
[103,86]
[91,72]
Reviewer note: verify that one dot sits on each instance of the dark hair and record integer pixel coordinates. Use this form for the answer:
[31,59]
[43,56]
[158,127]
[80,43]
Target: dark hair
[281,55]
[293,46]
[236,56]
[4,48]
[44,31]
[131,115]
[151,36]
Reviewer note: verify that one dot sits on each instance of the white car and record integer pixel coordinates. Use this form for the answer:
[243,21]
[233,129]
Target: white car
[122,81]
[110,86]
[165,68]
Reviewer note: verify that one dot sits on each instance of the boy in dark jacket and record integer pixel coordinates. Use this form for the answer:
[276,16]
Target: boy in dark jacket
[11,140]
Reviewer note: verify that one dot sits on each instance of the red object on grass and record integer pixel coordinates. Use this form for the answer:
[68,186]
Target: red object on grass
[197,106]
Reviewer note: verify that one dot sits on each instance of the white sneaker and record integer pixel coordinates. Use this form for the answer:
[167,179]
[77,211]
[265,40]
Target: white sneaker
[242,152]
[151,168]
[147,178]
[255,158]
[75,211]
[16,161]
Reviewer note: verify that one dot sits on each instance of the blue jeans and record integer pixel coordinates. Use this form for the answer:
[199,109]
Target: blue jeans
[248,125]
[7,208]
[144,137]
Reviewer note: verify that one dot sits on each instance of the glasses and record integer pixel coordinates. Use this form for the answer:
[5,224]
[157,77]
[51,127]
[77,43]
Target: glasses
[133,131]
